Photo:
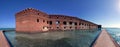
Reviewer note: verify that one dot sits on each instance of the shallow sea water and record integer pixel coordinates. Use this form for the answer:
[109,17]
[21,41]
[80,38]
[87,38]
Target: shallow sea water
[76,38]
[58,39]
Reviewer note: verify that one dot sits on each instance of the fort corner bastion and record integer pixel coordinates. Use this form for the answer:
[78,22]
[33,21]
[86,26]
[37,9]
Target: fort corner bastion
[33,20]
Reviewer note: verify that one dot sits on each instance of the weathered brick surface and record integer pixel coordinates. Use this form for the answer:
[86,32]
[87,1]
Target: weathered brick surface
[26,21]
[3,40]
[105,40]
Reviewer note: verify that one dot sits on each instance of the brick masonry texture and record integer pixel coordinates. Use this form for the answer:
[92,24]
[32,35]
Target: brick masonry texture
[33,20]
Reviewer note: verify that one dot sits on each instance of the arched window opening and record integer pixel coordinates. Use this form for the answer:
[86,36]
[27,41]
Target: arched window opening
[70,27]
[50,22]
[57,22]
[75,23]
[64,27]
[70,23]
[43,20]
[65,23]
[37,20]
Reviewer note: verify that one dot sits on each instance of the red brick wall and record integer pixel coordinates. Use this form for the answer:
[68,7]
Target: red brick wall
[26,21]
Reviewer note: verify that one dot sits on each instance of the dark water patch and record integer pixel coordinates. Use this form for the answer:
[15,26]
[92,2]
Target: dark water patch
[27,42]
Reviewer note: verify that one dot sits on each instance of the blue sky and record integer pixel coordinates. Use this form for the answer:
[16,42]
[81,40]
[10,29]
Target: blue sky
[104,12]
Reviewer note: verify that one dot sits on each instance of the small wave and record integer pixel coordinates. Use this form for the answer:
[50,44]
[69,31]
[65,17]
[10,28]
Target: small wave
[118,35]
[118,42]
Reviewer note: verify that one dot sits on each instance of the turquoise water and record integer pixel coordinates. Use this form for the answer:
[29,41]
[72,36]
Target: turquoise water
[78,38]
[115,33]
[7,29]
[11,37]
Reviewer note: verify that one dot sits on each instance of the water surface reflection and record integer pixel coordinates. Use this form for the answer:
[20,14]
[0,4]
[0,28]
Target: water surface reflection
[78,38]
